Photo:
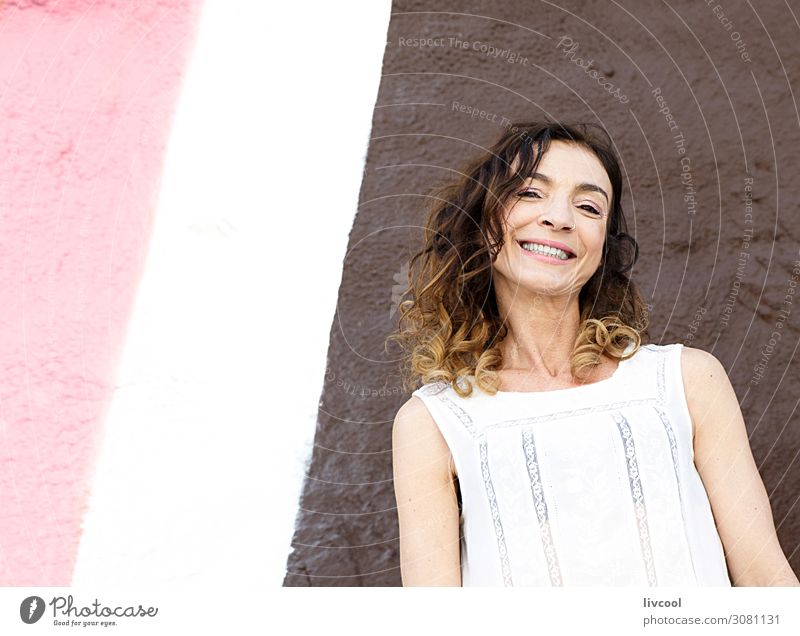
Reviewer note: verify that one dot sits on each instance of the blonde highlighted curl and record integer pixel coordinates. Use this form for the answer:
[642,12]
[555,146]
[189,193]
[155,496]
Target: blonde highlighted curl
[449,326]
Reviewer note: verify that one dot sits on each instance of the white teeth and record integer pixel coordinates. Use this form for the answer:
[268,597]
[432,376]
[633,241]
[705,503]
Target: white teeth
[545,250]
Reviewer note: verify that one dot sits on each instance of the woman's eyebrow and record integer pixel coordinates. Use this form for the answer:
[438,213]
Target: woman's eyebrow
[581,187]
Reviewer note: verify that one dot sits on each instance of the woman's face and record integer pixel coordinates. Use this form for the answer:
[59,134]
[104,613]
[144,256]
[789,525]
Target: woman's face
[566,202]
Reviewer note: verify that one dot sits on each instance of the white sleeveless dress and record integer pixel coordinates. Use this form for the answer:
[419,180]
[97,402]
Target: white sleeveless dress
[590,485]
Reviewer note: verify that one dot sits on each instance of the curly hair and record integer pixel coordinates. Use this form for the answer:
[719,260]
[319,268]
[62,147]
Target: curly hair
[450,326]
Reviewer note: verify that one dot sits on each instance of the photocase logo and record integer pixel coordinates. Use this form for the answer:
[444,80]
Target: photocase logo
[31,609]
[401,285]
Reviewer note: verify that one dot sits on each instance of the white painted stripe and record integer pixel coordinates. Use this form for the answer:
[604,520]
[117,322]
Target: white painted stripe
[213,420]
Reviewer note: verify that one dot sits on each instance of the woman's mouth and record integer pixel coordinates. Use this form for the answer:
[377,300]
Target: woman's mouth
[545,253]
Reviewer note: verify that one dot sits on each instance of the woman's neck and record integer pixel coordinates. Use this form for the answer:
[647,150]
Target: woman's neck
[541,335]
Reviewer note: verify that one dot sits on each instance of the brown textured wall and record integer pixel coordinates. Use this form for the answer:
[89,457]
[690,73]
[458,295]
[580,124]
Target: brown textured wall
[704,116]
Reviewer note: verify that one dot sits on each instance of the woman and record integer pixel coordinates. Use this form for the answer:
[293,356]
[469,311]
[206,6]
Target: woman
[548,445]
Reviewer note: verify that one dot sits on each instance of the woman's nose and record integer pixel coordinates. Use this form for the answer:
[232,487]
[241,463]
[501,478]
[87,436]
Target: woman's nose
[558,215]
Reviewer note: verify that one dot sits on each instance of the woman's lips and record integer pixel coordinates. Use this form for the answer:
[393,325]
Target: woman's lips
[546,259]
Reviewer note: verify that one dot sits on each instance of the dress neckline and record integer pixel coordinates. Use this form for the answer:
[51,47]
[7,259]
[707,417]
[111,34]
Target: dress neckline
[582,387]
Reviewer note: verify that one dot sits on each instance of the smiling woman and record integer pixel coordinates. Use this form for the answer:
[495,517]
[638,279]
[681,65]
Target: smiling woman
[546,184]
[547,444]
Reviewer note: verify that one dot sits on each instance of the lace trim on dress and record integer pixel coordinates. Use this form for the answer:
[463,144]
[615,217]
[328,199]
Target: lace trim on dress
[460,413]
[674,449]
[637,495]
[498,525]
[662,397]
[662,361]
[434,388]
[599,408]
[532,462]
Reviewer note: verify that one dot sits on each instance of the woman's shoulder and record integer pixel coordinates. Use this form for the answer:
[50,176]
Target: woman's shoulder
[418,445]
[413,420]
[697,365]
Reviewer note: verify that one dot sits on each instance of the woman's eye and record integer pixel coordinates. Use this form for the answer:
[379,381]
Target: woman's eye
[533,194]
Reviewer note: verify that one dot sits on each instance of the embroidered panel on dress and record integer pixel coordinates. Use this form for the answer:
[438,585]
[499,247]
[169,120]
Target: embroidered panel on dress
[662,361]
[673,445]
[498,525]
[433,388]
[466,420]
[557,415]
[529,447]
[460,413]
[637,495]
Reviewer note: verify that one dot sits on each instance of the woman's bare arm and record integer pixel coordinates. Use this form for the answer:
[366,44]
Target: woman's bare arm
[725,462]
[427,507]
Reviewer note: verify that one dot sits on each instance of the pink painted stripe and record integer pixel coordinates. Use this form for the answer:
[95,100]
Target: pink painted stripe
[87,93]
